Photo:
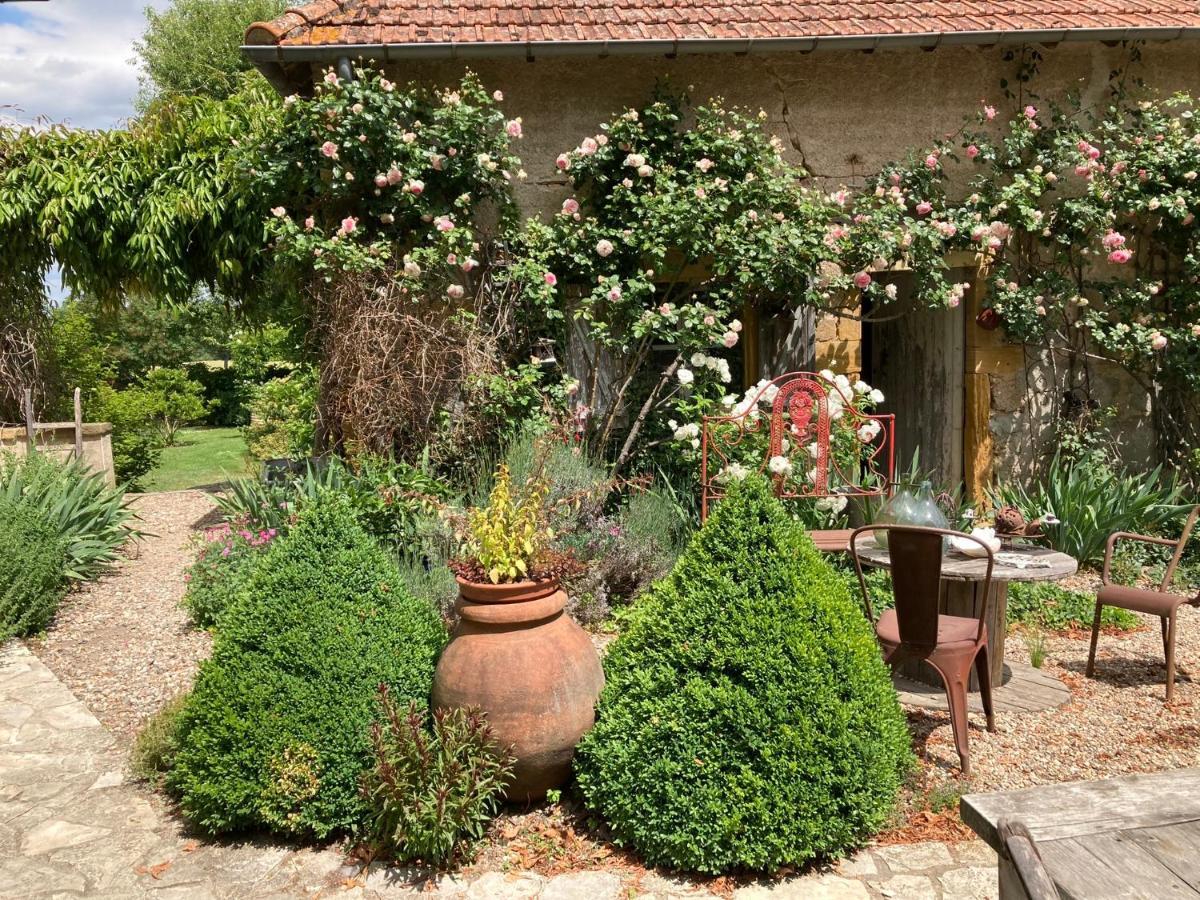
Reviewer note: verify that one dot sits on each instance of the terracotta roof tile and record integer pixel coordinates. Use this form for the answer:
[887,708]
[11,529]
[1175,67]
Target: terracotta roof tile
[473,21]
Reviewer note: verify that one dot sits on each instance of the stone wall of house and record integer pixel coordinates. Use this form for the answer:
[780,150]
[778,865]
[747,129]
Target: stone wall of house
[842,115]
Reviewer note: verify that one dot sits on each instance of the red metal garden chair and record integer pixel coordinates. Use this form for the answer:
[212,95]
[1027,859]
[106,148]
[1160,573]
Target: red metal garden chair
[915,629]
[1157,602]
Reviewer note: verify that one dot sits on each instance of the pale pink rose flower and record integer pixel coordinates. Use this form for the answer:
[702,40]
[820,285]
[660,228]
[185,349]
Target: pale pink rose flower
[394,175]
[310,223]
[498,96]
[329,148]
[604,247]
[729,338]
[1112,240]
[563,162]
[931,161]
[615,293]
[331,77]
[710,320]
[972,152]
[387,218]
[381,180]
[665,309]
[645,171]
[349,224]
[861,280]
[1093,153]
[588,146]
[924,208]
[513,128]
[1030,112]
[416,188]
[443,223]
[550,278]
[954,301]
[278,212]
[570,206]
[1158,341]
[455,292]
[1120,257]
[989,112]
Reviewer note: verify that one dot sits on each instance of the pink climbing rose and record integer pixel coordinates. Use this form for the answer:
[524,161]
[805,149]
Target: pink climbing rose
[862,280]
[1120,256]
[329,148]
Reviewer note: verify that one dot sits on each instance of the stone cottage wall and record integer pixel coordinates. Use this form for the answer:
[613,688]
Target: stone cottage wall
[842,115]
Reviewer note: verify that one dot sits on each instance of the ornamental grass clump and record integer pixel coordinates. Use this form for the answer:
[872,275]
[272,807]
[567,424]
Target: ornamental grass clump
[748,721]
[432,788]
[275,734]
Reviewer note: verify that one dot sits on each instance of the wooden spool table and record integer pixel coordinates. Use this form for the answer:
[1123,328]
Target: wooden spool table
[962,594]
[1131,837]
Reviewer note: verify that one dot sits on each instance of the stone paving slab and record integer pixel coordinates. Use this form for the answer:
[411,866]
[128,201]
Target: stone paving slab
[71,825]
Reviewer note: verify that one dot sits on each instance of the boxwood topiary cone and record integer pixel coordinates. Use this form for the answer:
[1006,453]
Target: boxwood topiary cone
[275,734]
[748,720]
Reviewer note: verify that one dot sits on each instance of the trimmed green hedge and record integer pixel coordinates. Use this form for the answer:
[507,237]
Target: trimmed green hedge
[33,559]
[748,720]
[276,732]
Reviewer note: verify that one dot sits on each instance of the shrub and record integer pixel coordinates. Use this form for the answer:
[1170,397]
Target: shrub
[136,442]
[430,790]
[178,400]
[224,395]
[155,747]
[390,499]
[221,570]
[32,558]
[748,720]
[283,415]
[91,519]
[1055,608]
[275,733]
[1091,502]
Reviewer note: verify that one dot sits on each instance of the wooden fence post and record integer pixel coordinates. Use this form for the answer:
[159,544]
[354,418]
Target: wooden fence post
[29,421]
[78,426]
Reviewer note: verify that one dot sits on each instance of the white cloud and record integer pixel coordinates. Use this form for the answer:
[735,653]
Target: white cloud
[70,60]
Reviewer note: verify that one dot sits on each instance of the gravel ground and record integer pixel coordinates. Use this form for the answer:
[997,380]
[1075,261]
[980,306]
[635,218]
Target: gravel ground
[123,644]
[1115,723]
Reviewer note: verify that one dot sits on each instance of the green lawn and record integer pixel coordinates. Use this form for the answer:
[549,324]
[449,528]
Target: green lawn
[201,456]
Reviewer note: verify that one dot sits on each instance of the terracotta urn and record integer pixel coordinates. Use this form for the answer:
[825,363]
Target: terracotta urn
[517,655]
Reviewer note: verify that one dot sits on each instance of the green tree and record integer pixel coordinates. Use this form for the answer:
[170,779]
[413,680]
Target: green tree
[74,356]
[192,46]
[178,400]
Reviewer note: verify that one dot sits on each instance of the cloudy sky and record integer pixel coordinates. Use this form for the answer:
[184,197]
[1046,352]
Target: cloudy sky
[70,60]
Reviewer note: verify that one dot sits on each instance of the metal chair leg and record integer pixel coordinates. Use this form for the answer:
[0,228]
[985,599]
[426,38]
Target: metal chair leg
[984,672]
[1170,648]
[1091,663]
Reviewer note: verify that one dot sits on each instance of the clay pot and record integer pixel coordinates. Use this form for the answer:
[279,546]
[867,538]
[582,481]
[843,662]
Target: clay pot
[531,668]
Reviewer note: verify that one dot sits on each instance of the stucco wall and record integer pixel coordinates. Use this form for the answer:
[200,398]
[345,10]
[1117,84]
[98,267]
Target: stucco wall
[841,114]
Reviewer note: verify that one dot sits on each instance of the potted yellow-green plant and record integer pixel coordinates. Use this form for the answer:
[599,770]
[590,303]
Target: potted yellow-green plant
[515,653]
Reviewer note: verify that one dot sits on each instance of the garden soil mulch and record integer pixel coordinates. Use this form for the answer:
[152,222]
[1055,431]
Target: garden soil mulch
[123,644]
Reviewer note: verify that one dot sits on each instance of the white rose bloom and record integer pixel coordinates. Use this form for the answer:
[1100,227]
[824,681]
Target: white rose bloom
[733,472]
[827,374]
[697,359]
[876,395]
[861,387]
[685,376]
[814,450]
[780,465]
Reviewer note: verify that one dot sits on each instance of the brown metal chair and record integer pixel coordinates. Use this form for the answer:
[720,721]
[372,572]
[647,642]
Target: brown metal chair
[916,630]
[1156,602]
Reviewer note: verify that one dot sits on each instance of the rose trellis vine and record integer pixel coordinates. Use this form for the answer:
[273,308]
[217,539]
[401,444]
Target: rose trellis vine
[676,216]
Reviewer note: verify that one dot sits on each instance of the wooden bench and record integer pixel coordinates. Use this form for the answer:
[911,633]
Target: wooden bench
[1131,837]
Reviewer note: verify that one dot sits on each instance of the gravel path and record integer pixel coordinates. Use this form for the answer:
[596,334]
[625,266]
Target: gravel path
[123,644]
[1115,724]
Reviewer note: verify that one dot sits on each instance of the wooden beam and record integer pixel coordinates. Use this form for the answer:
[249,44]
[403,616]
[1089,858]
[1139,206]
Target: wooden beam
[751,348]
[78,426]
[29,420]
[979,345]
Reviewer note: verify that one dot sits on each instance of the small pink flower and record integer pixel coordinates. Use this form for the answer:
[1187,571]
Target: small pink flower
[862,280]
[348,225]
[381,180]
[1120,257]
[443,223]
[665,309]
[331,77]
[416,188]
[550,278]
[1158,341]
[1083,170]
[455,292]
[310,223]
[1030,112]
[989,112]
[729,338]
[1093,153]
[924,208]
[1112,240]
[329,148]
[394,176]
[498,96]
[615,293]
[972,152]
[931,161]
[563,162]
[588,146]
[570,206]
[604,247]
[278,212]
[710,320]
[513,128]
[954,301]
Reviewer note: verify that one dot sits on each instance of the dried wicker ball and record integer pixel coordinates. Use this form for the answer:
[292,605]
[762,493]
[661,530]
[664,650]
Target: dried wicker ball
[1009,520]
